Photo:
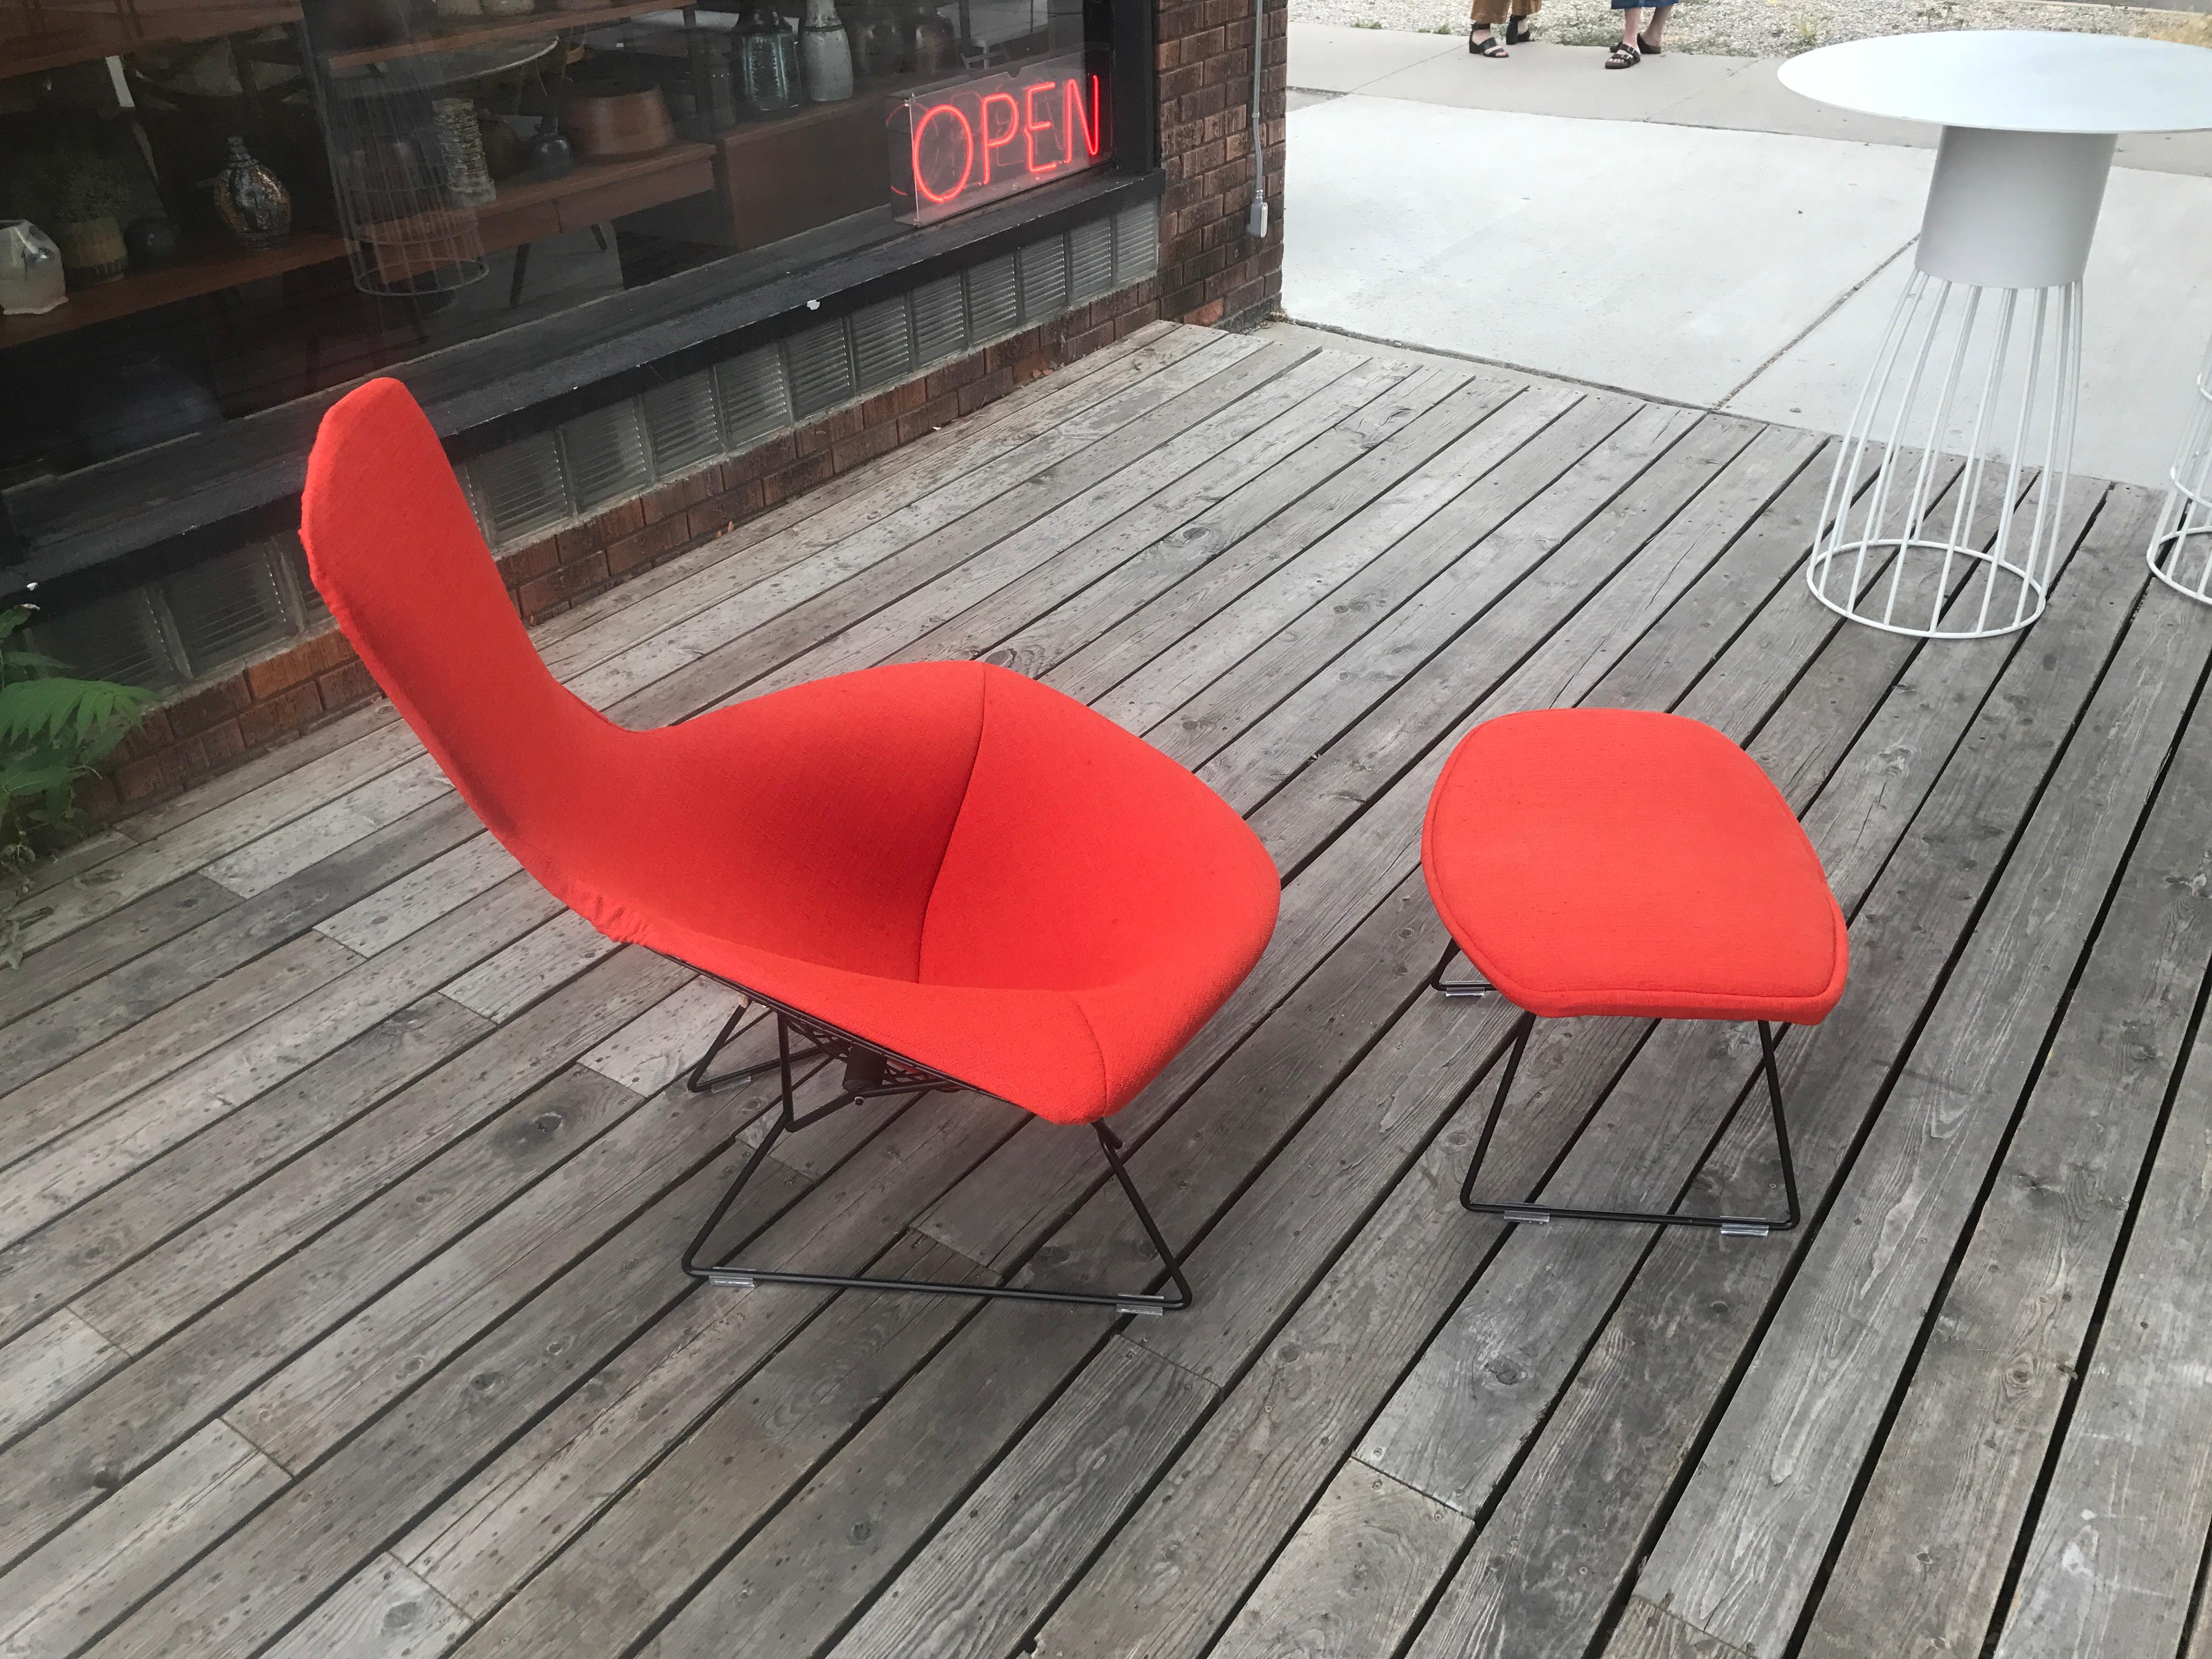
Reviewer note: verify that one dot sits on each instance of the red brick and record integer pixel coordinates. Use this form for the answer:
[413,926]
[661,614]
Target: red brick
[931,416]
[563,584]
[1083,344]
[953,376]
[673,500]
[530,562]
[137,780]
[223,741]
[345,686]
[795,480]
[655,541]
[149,736]
[303,662]
[990,388]
[97,798]
[204,707]
[772,457]
[718,512]
[285,712]
[864,447]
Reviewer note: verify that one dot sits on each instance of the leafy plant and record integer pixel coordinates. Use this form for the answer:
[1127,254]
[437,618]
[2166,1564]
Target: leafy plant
[67,186]
[53,730]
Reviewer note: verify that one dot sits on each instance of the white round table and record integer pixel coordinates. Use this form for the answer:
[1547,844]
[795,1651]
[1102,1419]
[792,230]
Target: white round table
[1984,345]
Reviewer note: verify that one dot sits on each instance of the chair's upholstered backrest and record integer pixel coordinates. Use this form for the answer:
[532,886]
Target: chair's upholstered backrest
[812,823]
[394,549]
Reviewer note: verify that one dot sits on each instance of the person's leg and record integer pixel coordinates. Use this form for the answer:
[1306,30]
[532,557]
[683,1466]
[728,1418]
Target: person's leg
[1516,25]
[1625,55]
[1656,28]
[1483,18]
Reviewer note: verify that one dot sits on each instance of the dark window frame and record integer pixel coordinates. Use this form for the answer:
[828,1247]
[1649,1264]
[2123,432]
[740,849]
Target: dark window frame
[482,392]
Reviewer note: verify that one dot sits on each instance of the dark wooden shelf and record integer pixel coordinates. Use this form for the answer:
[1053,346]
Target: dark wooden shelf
[784,175]
[73,36]
[528,208]
[434,37]
[194,272]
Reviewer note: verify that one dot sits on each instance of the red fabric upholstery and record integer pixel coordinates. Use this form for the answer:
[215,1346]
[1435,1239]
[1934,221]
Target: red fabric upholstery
[1605,861]
[943,858]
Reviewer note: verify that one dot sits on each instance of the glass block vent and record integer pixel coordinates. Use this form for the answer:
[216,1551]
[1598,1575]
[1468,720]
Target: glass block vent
[117,636]
[226,606]
[681,426]
[883,345]
[1044,279]
[821,368]
[1136,243]
[940,320]
[1090,260]
[292,560]
[606,456]
[994,300]
[519,489]
[199,621]
[754,399]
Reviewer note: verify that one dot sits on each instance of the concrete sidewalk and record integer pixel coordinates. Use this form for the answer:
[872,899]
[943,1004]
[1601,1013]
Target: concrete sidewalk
[1677,90]
[1687,230]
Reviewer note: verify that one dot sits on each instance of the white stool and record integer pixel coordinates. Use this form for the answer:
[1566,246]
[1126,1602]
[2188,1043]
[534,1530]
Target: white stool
[1984,347]
[2181,552]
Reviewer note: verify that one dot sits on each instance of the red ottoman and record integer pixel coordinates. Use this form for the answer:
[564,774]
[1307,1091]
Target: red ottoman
[1607,861]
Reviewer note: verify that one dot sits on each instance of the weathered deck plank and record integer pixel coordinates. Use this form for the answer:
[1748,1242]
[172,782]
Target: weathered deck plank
[338,1317]
[1741,1552]
[1192,1554]
[1352,1580]
[1931,1539]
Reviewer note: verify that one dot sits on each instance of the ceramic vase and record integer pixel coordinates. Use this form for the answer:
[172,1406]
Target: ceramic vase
[31,280]
[825,56]
[879,54]
[92,251]
[550,156]
[251,202]
[764,62]
[460,148]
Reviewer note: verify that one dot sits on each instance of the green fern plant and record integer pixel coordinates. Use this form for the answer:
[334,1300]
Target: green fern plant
[53,730]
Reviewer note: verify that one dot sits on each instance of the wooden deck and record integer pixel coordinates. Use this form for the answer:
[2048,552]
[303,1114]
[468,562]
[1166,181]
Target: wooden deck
[344,1185]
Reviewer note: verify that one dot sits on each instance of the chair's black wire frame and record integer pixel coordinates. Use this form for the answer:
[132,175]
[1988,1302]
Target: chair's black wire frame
[872,1074]
[1516,1045]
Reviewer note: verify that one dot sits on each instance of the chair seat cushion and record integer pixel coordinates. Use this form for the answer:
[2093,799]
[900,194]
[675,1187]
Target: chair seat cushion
[1609,861]
[1052,931]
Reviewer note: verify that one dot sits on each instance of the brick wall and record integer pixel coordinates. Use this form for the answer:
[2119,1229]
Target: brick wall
[1210,272]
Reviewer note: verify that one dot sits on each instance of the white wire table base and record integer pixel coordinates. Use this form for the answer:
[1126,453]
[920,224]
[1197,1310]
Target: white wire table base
[2181,552]
[1986,372]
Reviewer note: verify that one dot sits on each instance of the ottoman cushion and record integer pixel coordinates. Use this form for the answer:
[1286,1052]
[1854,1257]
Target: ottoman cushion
[1609,861]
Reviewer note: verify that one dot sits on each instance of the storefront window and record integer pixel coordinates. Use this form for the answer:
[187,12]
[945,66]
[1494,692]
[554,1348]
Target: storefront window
[215,209]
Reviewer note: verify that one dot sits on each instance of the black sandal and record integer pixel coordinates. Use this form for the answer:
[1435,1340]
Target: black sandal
[1623,55]
[1517,30]
[1486,47]
[1646,47]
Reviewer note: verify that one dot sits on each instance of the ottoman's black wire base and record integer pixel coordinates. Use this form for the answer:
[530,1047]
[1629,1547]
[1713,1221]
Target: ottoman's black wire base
[1511,1052]
[871,1074]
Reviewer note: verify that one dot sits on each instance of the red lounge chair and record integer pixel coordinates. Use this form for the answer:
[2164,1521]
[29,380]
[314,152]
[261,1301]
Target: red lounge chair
[1607,861]
[942,874]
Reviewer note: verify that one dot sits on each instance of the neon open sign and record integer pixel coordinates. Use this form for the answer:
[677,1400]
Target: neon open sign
[962,144]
